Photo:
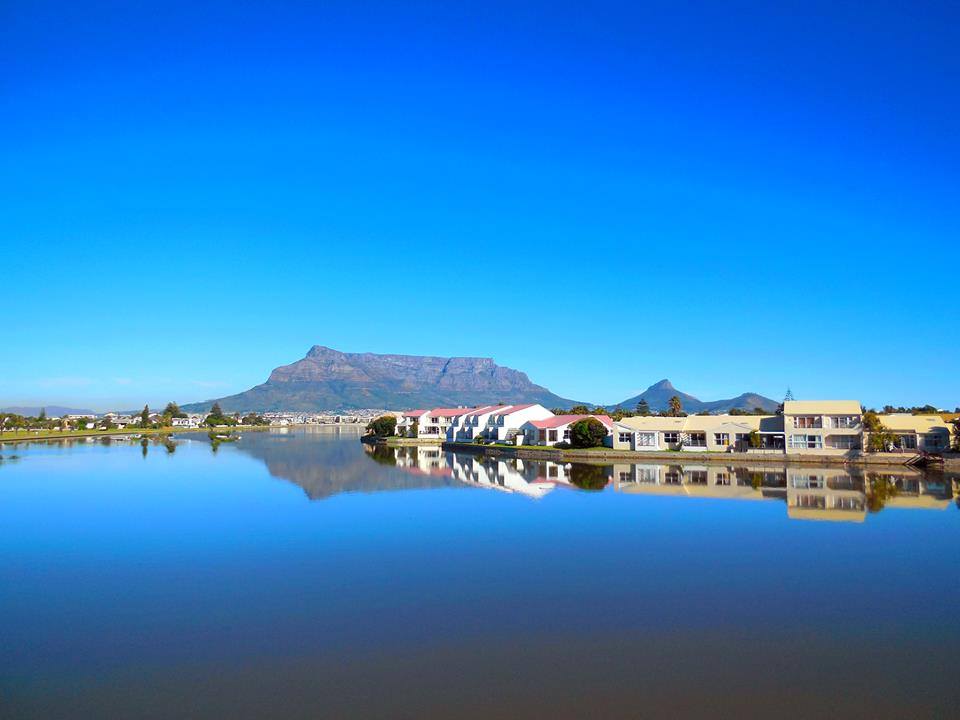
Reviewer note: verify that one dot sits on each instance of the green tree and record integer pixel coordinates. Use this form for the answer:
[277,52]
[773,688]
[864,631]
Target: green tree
[587,433]
[173,410]
[383,426]
[145,416]
[643,408]
[43,415]
[216,417]
[755,439]
[879,436]
[588,477]
[578,410]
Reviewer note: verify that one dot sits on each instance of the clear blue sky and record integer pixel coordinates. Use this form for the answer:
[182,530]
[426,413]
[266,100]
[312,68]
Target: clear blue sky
[732,195]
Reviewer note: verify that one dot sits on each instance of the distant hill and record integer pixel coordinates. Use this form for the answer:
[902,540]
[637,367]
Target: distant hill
[328,379]
[51,410]
[658,398]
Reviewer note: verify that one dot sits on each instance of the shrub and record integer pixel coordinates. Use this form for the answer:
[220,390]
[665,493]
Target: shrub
[562,445]
[587,433]
[383,426]
[588,477]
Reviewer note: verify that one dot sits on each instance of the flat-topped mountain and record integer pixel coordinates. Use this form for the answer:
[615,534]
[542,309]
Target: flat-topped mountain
[328,379]
[658,398]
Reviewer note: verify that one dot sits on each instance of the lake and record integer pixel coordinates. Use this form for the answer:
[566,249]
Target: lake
[302,574]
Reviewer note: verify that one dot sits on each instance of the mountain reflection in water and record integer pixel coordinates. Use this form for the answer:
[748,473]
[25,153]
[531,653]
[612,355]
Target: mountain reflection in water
[838,493]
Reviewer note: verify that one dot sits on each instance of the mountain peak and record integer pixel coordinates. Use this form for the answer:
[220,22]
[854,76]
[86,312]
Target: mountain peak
[662,385]
[318,350]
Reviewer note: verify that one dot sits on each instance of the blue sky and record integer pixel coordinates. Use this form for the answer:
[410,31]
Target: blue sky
[735,196]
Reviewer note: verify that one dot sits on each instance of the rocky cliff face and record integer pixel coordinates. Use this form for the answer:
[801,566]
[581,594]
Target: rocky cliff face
[327,379]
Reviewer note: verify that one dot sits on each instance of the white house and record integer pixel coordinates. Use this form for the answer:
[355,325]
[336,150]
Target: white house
[504,423]
[406,420]
[467,427]
[434,423]
[552,430]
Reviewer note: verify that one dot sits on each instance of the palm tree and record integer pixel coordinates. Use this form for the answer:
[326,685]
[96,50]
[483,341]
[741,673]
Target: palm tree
[676,407]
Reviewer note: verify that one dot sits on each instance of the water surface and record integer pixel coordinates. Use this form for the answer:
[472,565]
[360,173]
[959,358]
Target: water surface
[302,574]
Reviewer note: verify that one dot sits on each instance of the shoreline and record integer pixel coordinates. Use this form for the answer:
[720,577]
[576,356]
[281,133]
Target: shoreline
[48,435]
[679,457]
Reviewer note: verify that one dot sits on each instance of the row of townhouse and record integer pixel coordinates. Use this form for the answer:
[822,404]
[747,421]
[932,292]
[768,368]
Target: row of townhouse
[806,427]
[493,423]
[526,424]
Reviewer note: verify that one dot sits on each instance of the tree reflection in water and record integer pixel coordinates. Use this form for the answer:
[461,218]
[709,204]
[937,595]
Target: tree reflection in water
[588,477]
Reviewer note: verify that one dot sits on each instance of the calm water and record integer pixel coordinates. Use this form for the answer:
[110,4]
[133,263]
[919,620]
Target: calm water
[302,574]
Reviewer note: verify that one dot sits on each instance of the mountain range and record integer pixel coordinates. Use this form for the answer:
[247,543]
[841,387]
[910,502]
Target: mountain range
[51,410]
[328,379]
[658,398]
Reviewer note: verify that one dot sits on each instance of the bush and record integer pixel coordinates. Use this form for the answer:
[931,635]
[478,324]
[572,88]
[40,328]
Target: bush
[383,426]
[562,445]
[588,477]
[587,433]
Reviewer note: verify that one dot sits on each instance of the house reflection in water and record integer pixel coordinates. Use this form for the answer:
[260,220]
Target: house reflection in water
[531,478]
[836,493]
[811,493]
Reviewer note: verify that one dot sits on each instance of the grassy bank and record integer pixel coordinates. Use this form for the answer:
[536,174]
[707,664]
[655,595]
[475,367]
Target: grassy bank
[18,436]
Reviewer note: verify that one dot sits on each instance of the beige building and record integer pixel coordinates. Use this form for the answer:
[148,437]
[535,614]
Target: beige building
[700,433]
[825,494]
[823,427]
[930,433]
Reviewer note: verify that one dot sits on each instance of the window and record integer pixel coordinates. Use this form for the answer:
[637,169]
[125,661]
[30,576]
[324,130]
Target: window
[646,474]
[566,434]
[624,437]
[932,441]
[721,438]
[723,478]
[553,471]
[542,435]
[844,421]
[842,442]
[671,477]
[646,439]
[625,477]
[671,437]
[813,502]
[806,442]
[807,421]
[698,477]
[698,439]
[743,437]
[848,503]
[807,482]
[553,436]
[908,442]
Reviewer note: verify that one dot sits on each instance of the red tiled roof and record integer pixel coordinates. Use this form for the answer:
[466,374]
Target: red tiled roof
[561,420]
[414,413]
